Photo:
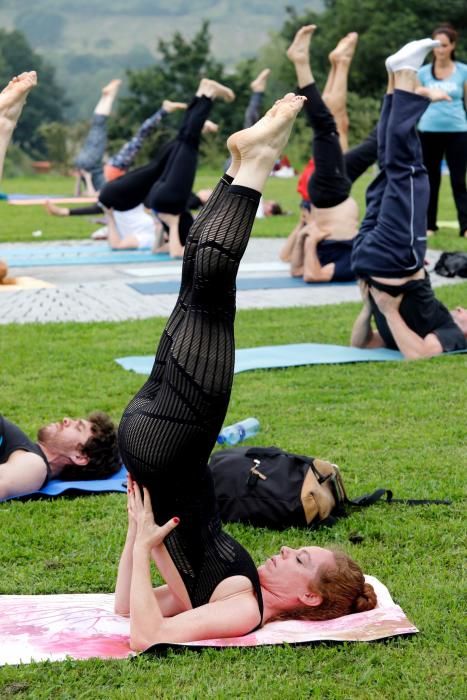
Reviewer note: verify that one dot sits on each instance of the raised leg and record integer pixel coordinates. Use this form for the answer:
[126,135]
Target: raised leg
[329,185]
[375,191]
[178,423]
[360,158]
[258,88]
[92,152]
[335,91]
[125,158]
[131,189]
[172,190]
[394,245]
[12,100]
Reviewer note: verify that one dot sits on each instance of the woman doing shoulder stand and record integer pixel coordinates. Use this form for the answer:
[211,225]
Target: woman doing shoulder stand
[168,430]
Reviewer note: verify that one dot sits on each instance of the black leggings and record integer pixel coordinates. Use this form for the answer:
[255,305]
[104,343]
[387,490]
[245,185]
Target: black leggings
[334,172]
[164,184]
[169,429]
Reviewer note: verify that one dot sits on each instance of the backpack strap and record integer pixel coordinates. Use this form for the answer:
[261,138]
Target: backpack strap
[370,498]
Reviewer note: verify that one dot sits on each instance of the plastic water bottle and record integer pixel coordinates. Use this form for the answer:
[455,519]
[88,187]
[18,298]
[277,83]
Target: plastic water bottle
[233,434]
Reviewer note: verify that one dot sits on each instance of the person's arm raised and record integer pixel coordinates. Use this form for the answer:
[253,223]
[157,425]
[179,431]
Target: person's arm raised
[23,472]
[411,345]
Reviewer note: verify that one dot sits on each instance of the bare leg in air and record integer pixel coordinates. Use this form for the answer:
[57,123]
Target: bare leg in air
[12,100]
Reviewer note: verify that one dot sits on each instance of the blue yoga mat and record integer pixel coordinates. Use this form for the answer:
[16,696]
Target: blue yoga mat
[96,254]
[23,196]
[271,356]
[57,487]
[243,284]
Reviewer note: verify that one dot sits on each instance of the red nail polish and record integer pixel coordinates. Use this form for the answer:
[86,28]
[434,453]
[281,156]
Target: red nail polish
[176,520]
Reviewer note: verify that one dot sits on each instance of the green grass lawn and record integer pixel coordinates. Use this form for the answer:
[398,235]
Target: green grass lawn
[18,222]
[398,425]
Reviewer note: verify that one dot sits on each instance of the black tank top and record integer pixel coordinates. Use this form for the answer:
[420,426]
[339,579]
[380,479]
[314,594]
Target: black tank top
[221,557]
[422,312]
[12,439]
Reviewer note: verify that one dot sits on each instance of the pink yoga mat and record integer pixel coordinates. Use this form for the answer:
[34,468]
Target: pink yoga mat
[54,627]
[55,200]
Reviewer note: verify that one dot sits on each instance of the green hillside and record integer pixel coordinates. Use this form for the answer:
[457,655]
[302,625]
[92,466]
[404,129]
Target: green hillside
[89,42]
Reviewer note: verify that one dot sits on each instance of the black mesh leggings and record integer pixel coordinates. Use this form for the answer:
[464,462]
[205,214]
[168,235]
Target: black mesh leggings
[169,429]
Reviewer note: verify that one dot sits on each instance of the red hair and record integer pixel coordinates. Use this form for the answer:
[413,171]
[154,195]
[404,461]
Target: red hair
[343,590]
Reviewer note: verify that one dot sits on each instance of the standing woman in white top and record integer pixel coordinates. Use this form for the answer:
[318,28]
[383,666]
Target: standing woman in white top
[443,127]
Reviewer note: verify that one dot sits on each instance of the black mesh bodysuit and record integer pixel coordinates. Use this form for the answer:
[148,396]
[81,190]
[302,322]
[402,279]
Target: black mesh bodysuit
[169,429]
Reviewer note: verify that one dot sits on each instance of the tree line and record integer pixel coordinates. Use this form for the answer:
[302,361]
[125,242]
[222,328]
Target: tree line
[382,27]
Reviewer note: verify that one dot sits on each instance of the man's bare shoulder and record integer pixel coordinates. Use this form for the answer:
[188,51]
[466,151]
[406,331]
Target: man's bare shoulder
[23,472]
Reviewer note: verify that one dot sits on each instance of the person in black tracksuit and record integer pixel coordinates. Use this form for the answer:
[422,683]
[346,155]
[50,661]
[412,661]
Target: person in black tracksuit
[389,251]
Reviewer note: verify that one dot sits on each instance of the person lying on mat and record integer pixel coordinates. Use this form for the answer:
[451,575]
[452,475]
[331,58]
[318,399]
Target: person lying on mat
[168,430]
[133,229]
[84,448]
[320,246]
[12,100]
[389,252]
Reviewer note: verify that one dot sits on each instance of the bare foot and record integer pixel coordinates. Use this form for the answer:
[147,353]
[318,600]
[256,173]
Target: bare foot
[209,127]
[13,97]
[54,210]
[213,89]
[345,48]
[299,49]
[112,88]
[169,106]
[260,82]
[265,140]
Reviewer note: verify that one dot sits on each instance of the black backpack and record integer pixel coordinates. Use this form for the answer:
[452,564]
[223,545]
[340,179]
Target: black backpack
[452,265]
[268,487]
